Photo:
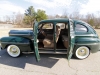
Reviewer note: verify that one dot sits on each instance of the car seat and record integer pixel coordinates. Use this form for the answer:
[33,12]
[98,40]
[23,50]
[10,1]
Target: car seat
[49,41]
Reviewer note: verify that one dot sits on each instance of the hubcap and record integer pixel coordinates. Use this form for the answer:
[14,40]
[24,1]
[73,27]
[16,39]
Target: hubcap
[82,52]
[13,50]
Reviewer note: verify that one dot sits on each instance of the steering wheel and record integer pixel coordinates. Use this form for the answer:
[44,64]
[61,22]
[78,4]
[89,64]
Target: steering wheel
[41,31]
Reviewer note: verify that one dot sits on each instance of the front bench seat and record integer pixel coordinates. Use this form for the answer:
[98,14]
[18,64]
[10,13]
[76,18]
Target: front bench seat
[49,40]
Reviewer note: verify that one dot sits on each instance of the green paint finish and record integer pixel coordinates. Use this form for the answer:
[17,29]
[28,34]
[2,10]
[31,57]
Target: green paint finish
[27,40]
[71,37]
[22,43]
[35,42]
[54,37]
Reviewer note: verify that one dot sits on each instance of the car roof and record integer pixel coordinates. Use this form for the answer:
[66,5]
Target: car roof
[60,20]
[54,20]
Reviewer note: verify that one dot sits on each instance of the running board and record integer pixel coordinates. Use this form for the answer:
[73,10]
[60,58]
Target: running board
[50,51]
[53,52]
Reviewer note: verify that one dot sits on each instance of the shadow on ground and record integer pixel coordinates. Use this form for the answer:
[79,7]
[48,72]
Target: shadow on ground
[47,60]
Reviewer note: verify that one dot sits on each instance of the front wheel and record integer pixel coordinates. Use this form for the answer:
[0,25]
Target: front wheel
[13,50]
[82,52]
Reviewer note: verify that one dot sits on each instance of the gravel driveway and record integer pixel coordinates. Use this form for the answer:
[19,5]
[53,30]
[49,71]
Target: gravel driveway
[48,65]
[6,26]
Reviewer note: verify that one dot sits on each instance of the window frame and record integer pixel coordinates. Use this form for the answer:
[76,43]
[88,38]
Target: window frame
[45,24]
[82,27]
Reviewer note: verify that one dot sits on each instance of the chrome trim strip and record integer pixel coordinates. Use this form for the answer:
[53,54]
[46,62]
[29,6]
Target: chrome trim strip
[19,34]
[85,35]
[87,44]
[14,43]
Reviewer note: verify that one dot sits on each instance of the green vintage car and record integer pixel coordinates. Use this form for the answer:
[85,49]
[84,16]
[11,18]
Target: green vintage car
[55,36]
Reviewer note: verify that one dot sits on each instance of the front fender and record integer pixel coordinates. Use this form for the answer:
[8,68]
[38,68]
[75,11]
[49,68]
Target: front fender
[5,41]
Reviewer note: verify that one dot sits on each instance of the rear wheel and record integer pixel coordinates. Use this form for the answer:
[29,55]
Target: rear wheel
[13,50]
[82,52]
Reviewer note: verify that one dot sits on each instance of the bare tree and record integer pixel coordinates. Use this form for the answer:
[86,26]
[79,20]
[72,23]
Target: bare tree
[65,14]
[19,18]
[97,20]
[8,19]
[90,19]
[50,17]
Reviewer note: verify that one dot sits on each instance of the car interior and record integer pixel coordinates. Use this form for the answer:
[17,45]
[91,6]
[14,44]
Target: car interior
[46,38]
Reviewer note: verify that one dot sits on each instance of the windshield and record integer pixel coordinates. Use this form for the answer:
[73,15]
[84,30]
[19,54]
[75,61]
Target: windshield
[45,26]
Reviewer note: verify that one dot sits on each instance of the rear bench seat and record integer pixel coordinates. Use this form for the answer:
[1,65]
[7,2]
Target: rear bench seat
[65,40]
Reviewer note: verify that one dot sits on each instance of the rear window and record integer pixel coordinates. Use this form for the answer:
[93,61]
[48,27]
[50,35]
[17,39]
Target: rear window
[80,28]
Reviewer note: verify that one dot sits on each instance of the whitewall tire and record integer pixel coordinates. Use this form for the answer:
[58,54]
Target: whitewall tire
[13,50]
[82,52]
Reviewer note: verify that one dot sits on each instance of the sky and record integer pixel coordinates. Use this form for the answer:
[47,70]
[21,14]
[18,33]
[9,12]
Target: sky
[52,7]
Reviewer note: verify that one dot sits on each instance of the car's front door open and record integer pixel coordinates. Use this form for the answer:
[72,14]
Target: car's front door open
[35,41]
[71,37]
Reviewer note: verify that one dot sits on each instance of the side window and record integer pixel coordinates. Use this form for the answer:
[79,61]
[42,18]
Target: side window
[47,26]
[80,28]
[62,25]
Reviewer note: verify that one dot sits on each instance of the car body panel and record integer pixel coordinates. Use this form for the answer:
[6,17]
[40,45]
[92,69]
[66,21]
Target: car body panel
[71,37]
[27,39]
[23,43]
[35,42]
[89,39]
[22,33]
